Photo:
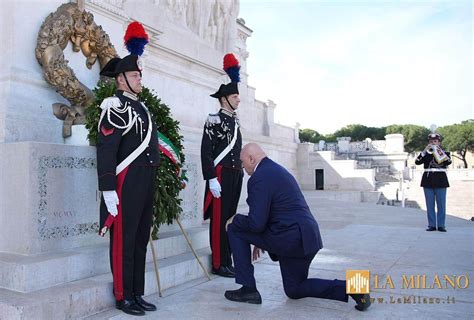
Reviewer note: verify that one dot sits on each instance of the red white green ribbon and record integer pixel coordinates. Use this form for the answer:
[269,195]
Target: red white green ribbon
[168,149]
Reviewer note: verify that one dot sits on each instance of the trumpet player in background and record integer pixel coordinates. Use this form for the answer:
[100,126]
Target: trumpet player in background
[435,181]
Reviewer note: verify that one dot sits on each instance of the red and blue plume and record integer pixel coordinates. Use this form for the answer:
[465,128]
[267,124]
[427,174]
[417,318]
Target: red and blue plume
[135,38]
[232,67]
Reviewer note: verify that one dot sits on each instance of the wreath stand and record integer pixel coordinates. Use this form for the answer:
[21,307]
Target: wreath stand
[155,260]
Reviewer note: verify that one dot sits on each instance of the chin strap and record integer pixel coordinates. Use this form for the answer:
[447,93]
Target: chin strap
[128,84]
[225,100]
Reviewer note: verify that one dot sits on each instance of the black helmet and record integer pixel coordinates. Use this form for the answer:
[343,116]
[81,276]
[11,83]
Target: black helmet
[117,66]
[434,136]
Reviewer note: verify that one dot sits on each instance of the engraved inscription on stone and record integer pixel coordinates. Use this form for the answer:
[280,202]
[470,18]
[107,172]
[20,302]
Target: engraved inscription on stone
[68,204]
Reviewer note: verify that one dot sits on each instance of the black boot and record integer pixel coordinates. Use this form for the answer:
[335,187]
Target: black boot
[431,229]
[442,229]
[244,294]
[362,300]
[130,307]
[224,271]
[144,305]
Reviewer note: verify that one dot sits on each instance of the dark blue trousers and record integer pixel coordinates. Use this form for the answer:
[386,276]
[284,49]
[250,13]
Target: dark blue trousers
[437,195]
[294,268]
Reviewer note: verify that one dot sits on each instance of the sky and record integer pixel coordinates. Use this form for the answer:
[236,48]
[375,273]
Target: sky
[331,63]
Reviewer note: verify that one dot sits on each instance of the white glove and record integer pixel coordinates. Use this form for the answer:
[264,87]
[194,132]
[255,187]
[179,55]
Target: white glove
[111,201]
[215,187]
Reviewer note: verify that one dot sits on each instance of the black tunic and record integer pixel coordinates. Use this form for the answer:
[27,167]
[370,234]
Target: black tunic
[113,148]
[217,135]
[433,179]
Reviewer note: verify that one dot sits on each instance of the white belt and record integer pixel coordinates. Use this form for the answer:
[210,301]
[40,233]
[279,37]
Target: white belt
[228,148]
[435,170]
[142,147]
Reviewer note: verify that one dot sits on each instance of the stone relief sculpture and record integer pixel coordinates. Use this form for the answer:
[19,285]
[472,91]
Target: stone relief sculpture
[69,23]
[223,16]
[212,20]
[177,9]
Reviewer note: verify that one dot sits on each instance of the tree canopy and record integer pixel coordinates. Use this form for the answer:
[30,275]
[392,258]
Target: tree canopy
[459,139]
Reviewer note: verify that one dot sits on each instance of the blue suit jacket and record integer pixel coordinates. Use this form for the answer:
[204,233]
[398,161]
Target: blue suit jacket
[278,211]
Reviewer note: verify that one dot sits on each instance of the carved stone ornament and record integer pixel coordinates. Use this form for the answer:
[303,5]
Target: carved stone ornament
[70,23]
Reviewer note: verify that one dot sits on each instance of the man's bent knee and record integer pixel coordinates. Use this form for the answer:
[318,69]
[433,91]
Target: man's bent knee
[292,292]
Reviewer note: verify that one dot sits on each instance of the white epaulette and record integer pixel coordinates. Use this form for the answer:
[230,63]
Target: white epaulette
[113,106]
[213,118]
[111,102]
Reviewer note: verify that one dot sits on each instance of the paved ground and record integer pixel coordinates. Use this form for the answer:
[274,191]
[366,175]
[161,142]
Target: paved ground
[388,241]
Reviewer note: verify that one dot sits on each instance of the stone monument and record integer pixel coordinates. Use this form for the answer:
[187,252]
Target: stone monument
[52,262]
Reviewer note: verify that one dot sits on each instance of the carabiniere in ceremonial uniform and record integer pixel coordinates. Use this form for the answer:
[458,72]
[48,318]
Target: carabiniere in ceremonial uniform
[127,157]
[222,169]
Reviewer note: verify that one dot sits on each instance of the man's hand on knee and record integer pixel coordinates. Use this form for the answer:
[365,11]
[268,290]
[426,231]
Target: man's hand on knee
[256,253]
[229,222]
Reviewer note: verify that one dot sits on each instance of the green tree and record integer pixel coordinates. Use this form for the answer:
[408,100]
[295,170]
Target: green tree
[415,136]
[459,138]
[330,138]
[359,132]
[309,135]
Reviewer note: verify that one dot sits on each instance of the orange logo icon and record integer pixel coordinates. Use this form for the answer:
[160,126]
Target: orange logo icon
[357,281]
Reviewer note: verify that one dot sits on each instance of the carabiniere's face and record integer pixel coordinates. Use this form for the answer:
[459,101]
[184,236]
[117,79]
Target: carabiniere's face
[234,100]
[135,80]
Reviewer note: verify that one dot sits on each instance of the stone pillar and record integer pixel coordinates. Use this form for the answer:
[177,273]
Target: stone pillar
[343,144]
[395,143]
[243,32]
[265,124]
[321,145]
[297,132]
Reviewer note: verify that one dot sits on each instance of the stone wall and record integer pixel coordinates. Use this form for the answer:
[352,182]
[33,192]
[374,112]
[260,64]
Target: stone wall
[183,64]
[338,174]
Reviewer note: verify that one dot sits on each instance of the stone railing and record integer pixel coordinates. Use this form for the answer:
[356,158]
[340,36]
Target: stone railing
[378,145]
[331,146]
[367,145]
[354,147]
[358,146]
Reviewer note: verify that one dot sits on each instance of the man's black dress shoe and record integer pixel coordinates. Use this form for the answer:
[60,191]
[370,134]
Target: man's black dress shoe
[431,229]
[130,307]
[240,295]
[224,271]
[144,305]
[442,229]
[362,300]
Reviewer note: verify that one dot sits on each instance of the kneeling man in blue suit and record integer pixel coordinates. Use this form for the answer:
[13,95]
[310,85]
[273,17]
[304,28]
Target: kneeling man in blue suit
[279,222]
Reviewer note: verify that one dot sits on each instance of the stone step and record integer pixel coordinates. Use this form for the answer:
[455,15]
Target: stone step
[30,273]
[386,178]
[89,296]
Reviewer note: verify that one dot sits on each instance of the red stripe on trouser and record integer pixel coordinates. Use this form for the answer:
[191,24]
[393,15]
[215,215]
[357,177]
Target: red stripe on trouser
[207,201]
[216,224]
[117,252]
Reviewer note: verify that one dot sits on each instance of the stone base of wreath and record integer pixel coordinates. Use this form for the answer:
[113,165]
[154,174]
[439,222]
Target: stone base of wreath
[80,282]
[54,265]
